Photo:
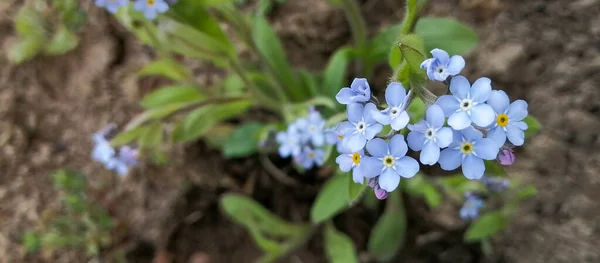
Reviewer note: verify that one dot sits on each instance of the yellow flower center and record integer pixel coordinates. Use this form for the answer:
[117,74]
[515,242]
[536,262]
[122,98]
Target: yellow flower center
[311,155]
[356,158]
[150,2]
[466,147]
[502,120]
[389,161]
[340,137]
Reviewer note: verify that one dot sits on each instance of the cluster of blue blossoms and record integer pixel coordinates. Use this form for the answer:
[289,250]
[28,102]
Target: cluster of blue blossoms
[106,154]
[150,8]
[472,124]
[304,140]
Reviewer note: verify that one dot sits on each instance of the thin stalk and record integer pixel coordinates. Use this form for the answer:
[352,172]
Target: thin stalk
[359,29]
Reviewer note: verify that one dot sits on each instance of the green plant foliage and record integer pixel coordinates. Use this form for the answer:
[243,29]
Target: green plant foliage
[244,141]
[534,126]
[166,68]
[419,186]
[172,95]
[335,71]
[333,198]
[486,226]
[338,246]
[446,34]
[389,233]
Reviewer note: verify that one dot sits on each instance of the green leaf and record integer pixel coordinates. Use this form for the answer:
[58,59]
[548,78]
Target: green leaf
[486,226]
[244,141]
[395,58]
[31,242]
[416,110]
[533,128]
[128,136]
[379,48]
[189,12]
[25,49]
[446,34]
[233,85]
[332,199]
[419,186]
[152,137]
[389,233]
[172,94]
[270,48]
[335,72]
[339,247]
[166,68]
[355,191]
[412,50]
[63,41]
[526,192]
[492,167]
[30,23]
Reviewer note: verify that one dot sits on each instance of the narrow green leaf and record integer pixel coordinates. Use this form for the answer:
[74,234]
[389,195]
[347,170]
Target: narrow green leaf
[152,137]
[189,12]
[338,246]
[379,48]
[355,191]
[447,34]
[486,226]
[412,50]
[166,68]
[395,58]
[129,136]
[533,128]
[244,141]
[29,22]
[233,85]
[335,72]
[331,200]
[172,94]
[25,49]
[526,192]
[389,233]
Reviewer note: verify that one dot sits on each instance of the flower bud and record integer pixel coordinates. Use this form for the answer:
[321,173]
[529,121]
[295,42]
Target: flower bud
[380,193]
[506,157]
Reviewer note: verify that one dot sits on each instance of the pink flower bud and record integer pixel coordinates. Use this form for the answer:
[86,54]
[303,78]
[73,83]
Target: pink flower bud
[506,157]
[380,193]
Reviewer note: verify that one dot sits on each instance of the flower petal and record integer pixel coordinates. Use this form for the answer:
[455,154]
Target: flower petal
[486,149]
[483,115]
[354,112]
[448,103]
[459,120]
[424,65]
[345,162]
[471,134]
[400,121]
[373,130]
[419,126]
[150,13]
[355,142]
[139,5]
[459,87]
[473,167]
[430,153]
[389,180]
[456,64]
[368,112]
[499,101]
[416,140]
[377,147]
[441,55]
[444,137]
[450,159]
[161,7]
[515,135]
[407,167]
[520,124]
[370,166]
[344,96]
[435,116]
[481,90]
[498,135]
[398,147]
[382,117]
[517,110]
[358,176]
[394,94]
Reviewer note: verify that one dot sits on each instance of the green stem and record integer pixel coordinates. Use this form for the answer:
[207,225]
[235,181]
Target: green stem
[409,17]
[359,30]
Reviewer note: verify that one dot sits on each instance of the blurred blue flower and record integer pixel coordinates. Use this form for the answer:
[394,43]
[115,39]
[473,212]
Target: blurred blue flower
[467,105]
[102,151]
[111,5]
[468,149]
[360,126]
[289,142]
[441,66]
[351,161]
[509,119]
[495,184]
[470,209]
[127,158]
[312,128]
[151,8]
[311,157]
[389,162]
[395,114]
[429,135]
[359,91]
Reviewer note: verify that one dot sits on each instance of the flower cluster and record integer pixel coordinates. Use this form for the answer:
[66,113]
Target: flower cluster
[106,154]
[150,8]
[471,207]
[472,124]
[304,140]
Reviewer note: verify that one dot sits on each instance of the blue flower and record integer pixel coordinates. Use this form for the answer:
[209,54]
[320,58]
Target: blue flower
[468,149]
[111,5]
[441,66]
[102,152]
[311,157]
[290,142]
[127,158]
[509,119]
[360,126]
[359,91]
[389,161]
[467,105]
[428,136]
[495,184]
[470,209]
[395,114]
[151,8]
[312,128]
[351,161]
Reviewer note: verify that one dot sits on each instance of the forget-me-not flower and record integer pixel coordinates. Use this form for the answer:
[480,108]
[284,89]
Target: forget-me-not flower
[468,149]
[429,135]
[495,184]
[509,119]
[441,66]
[360,126]
[102,151]
[311,157]
[467,105]
[359,91]
[470,209]
[351,161]
[127,158]
[389,161]
[395,114]
[111,5]
[151,8]
[289,142]
[312,127]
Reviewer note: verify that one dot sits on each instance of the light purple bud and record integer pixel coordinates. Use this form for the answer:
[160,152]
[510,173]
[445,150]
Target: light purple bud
[373,183]
[380,193]
[506,157]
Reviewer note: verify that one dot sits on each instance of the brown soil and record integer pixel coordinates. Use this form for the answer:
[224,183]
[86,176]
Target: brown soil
[546,52]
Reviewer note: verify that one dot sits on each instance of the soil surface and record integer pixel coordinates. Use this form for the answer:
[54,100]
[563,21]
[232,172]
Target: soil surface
[544,51]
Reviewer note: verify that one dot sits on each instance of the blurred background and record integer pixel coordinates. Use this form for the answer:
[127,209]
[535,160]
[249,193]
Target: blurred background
[544,51]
